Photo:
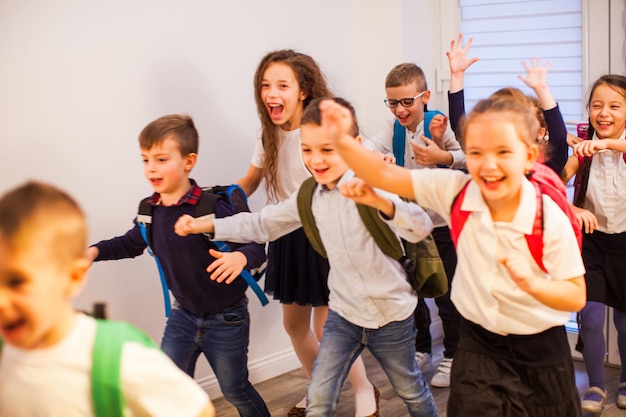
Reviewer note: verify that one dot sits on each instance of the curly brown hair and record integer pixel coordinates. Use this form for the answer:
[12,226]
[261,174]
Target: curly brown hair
[311,82]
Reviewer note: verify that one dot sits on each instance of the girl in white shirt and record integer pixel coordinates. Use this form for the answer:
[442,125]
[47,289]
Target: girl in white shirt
[599,192]
[513,357]
[285,82]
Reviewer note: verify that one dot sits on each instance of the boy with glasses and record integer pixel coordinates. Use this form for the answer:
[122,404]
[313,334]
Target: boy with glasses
[407,98]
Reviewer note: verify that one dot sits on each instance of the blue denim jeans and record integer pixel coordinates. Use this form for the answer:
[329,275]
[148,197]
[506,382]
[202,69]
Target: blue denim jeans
[393,345]
[223,339]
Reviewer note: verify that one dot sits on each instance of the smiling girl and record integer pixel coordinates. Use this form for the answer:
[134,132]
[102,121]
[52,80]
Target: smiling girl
[600,171]
[513,357]
[285,83]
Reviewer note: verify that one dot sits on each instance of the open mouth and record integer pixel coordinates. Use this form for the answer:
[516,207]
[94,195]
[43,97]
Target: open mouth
[10,329]
[275,110]
[492,182]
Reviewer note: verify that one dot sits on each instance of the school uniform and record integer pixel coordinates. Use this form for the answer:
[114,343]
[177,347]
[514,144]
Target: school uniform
[513,358]
[604,249]
[450,318]
[603,253]
[295,272]
[370,302]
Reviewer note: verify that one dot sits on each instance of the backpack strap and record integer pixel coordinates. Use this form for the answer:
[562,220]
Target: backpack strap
[206,206]
[305,200]
[106,384]
[428,117]
[384,237]
[399,135]
[535,238]
[144,221]
[399,142]
[458,217]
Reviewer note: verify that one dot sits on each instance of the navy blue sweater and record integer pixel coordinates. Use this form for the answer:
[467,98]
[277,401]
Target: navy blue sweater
[185,259]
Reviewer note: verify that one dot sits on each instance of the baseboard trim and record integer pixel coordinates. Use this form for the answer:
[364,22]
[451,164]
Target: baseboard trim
[259,370]
[285,361]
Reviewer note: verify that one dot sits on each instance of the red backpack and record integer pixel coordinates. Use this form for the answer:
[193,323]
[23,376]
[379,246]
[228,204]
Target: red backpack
[546,181]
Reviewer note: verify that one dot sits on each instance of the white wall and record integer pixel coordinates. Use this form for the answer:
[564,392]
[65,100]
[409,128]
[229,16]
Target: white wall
[79,80]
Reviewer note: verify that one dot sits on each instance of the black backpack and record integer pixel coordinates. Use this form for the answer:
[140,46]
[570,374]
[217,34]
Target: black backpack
[238,201]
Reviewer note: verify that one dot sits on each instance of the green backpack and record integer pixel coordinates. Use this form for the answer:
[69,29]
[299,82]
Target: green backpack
[106,391]
[421,261]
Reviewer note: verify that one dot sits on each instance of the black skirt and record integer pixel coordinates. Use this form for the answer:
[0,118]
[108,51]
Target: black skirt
[605,262]
[513,376]
[295,272]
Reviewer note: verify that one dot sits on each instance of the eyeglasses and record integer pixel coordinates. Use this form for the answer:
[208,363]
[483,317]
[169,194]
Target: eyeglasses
[406,102]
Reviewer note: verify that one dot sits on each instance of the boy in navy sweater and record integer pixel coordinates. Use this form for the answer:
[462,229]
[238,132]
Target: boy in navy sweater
[210,315]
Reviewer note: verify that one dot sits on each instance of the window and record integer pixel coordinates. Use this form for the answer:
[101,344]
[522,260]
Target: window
[507,32]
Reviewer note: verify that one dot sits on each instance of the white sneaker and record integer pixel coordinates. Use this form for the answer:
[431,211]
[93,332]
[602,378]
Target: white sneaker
[423,360]
[441,379]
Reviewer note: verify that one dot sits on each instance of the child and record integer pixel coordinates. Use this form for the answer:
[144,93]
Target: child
[513,357]
[285,83]
[371,301]
[46,357]
[210,316]
[599,193]
[552,133]
[407,97]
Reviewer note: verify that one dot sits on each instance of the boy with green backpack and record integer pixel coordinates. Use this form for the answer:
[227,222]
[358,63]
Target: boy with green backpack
[371,302]
[55,361]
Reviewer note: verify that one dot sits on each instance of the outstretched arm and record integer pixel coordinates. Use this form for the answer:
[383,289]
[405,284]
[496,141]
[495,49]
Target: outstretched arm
[337,121]
[187,225]
[589,147]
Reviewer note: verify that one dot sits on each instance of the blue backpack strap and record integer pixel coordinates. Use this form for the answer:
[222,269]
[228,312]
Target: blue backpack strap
[106,383]
[399,142]
[144,221]
[246,275]
[428,117]
[238,204]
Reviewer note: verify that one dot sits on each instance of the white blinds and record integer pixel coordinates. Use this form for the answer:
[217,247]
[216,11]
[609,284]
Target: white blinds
[507,32]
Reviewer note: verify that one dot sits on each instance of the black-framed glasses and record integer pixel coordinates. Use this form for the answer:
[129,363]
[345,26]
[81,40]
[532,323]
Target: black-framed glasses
[406,102]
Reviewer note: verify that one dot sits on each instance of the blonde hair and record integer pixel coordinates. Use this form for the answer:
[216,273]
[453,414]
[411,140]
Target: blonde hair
[517,112]
[36,209]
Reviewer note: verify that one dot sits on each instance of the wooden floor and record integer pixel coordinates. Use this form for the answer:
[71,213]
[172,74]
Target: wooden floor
[282,392]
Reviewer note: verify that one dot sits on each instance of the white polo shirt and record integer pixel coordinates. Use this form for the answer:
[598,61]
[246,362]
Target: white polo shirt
[482,290]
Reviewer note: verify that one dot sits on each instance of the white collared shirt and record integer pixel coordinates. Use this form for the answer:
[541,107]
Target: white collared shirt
[482,290]
[383,142]
[367,288]
[606,196]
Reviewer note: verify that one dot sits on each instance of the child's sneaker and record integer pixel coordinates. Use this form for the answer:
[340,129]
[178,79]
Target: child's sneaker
[621,396]
[423,360]
[593,400]
[441,379]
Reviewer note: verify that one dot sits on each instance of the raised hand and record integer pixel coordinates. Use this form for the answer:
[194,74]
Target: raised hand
[536,74]
[457,55]
[437,129]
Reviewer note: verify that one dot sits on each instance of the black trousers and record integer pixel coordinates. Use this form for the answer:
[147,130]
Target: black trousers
[450,317]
